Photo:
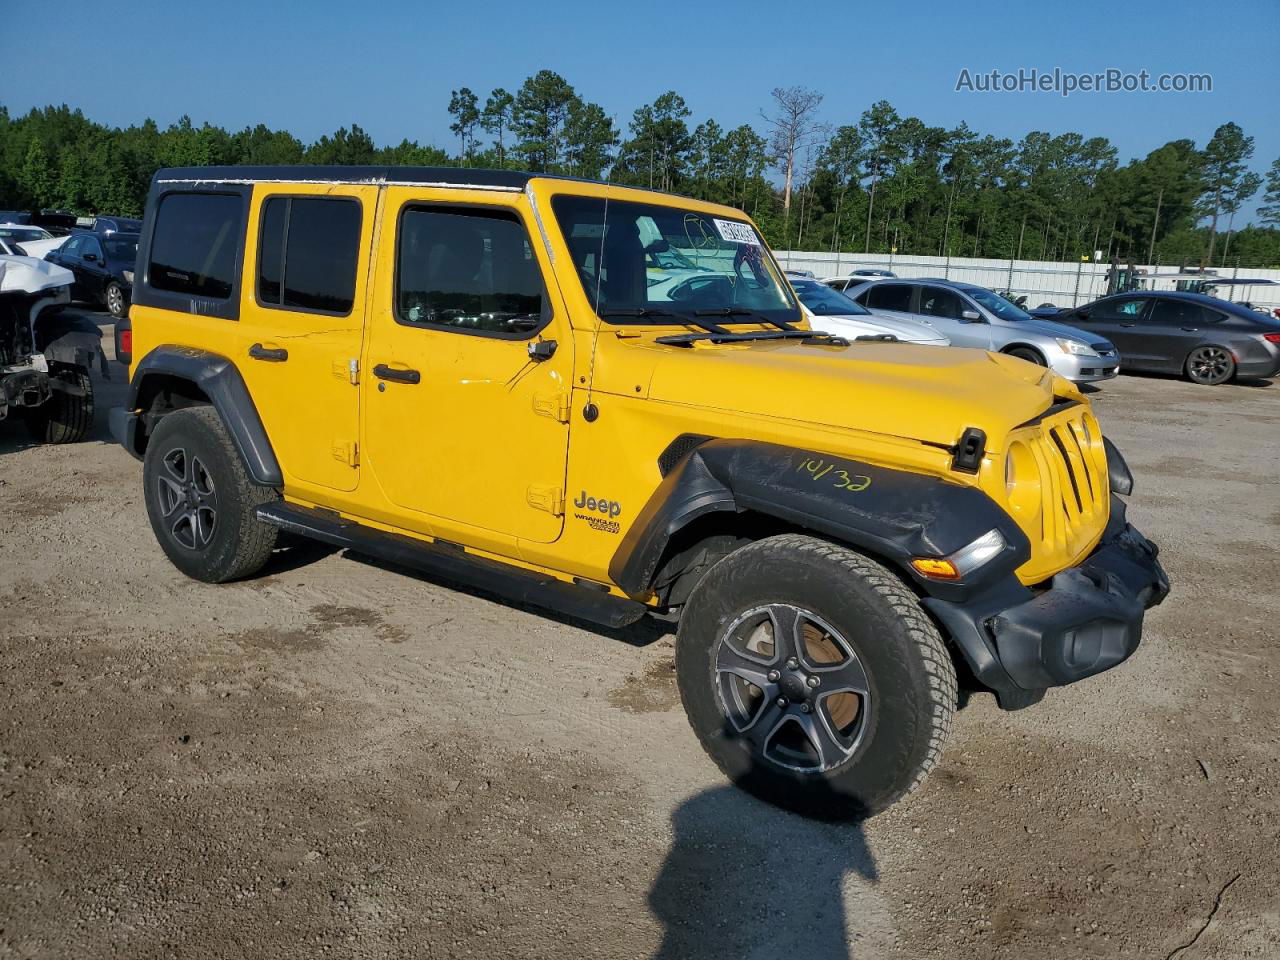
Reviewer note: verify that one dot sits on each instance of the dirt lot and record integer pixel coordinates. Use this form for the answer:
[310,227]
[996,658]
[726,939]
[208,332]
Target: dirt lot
[339,760]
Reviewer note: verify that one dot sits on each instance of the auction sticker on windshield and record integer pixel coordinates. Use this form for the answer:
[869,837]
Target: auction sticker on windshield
[736,232]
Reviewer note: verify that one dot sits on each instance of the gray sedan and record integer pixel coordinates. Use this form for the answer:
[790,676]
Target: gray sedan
[973,316]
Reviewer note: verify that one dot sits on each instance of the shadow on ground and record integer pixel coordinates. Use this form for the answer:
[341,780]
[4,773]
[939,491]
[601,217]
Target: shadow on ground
[746,881]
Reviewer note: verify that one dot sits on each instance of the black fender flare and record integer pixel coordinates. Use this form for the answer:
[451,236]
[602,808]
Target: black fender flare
[218,379]
[892,514]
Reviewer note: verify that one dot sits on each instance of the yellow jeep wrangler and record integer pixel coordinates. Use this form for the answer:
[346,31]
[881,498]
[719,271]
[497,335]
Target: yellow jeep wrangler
[606,402]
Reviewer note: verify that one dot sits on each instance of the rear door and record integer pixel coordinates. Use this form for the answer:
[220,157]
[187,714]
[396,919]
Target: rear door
[1172,328]
[302,323]
[466,431]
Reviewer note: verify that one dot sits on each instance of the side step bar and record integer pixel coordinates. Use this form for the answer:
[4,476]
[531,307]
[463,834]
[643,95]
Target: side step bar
[453,563]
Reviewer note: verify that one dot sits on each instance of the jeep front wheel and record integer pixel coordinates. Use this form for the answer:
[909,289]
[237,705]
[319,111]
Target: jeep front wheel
[201,500]
[813,678]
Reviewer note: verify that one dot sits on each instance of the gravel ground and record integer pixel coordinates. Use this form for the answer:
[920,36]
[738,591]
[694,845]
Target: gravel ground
[337,759]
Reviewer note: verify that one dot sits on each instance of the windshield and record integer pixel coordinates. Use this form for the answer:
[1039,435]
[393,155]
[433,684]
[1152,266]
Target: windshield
[646,260]
[22,234]
[822,301]
[121,247]
[997,304]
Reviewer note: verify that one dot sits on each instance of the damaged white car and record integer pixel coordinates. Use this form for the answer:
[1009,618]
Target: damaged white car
[45,355]
[27,240]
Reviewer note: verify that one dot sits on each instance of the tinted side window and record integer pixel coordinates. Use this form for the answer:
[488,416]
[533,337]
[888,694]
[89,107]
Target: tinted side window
[467,269]
[1180,313]
[308,252]
[91,245]
[72,247]
[1121,308]
[889,296]
[937,302]
[193,246]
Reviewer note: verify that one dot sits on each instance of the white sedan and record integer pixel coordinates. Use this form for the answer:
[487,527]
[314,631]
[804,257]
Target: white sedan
[834,313]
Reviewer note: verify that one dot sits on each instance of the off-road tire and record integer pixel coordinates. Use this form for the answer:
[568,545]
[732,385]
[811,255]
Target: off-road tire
[911,679]
[1029,355]
[114,300]
[64,417]
[239,544]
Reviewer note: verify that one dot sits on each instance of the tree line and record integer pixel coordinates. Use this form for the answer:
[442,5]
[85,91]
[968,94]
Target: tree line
[883,183]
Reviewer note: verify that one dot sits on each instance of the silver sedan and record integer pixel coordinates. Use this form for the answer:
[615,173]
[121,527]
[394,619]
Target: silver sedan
[973,316]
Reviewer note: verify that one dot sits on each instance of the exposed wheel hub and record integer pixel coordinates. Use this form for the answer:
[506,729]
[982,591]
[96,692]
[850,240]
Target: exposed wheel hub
[795,686]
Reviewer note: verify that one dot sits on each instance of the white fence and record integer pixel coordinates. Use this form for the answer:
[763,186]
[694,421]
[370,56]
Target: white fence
[1061,284]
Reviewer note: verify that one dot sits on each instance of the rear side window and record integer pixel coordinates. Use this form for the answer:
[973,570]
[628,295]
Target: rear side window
[889,296]
[308,252]
[1180,313]
[468,270]
[193,247]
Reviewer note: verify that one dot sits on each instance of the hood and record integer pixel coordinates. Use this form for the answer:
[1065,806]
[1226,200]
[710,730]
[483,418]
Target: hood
[29,275]
[861,324]
[41,248]
[1050,329]
[904,390]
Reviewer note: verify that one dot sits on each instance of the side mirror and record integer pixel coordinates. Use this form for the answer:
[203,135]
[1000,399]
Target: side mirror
[91,257]
[970,316]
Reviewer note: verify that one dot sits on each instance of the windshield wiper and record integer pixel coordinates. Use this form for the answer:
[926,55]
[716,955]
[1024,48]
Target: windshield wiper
[805,336]
[650,313]
[743,312]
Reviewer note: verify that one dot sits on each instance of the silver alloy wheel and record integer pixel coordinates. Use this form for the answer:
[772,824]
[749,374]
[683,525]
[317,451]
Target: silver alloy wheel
[186,498]
[1209,365]
[115,300]
[792,686]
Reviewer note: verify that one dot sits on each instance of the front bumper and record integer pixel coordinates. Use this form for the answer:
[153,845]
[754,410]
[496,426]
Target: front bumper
[1086,620]
[1080,369]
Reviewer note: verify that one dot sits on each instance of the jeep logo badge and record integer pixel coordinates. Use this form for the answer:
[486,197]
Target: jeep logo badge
[610,508]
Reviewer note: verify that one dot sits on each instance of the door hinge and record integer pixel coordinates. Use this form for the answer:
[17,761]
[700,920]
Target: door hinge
[347,451]
[347,368]
[547,499]
[554,404]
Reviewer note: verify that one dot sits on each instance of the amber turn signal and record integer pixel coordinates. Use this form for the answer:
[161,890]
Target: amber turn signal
[935,568]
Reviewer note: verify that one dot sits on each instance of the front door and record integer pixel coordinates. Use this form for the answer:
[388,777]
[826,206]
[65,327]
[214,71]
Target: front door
[302,322]
[466,423]
[1118,319]
[944,309]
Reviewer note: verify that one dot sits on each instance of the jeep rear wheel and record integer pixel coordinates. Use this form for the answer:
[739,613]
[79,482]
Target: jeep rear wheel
[67,415]
[201,501]
[813,678]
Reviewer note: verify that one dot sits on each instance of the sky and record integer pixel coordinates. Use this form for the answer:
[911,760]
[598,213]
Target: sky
[390,66]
